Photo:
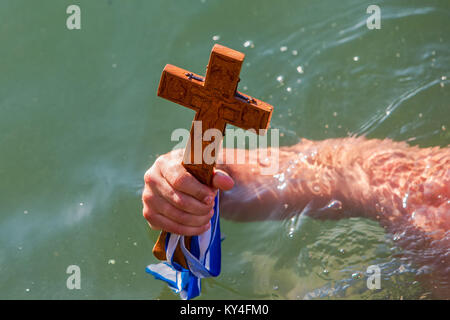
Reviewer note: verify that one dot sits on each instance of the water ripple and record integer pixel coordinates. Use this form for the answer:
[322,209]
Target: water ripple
[370,125]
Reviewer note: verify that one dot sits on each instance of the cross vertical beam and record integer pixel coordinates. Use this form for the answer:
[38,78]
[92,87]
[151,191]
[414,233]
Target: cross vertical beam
[216,102]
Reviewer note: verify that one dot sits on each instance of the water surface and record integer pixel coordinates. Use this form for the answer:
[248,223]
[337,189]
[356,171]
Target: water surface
[80,123]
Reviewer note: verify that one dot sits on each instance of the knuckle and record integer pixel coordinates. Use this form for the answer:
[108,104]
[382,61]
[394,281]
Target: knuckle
[147,196]
[148,178]
[179,200]
[180,181]
[174,156]
[203,193]
[159,159]
[146,212]
[200,195]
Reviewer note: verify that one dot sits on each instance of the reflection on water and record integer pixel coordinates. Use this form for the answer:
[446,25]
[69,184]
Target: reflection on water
[329,264]
[80,123]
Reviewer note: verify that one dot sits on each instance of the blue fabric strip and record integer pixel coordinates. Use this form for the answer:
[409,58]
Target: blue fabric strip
[203,259]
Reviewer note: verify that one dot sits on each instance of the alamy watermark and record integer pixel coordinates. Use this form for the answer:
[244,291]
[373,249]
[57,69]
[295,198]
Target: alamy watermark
[374,280]
[207,145]
[374,20]
[73,21]
[74,280]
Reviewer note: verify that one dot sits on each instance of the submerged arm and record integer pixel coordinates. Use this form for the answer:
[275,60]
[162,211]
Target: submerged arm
[407,189]
[381,179]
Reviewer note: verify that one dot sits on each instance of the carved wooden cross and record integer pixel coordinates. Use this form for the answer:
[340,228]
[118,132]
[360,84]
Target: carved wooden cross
[216,102]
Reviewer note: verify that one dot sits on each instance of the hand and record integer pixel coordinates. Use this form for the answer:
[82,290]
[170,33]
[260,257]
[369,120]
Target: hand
[175,201]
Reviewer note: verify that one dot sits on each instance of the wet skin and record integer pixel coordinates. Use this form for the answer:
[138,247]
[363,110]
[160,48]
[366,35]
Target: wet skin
[406,189]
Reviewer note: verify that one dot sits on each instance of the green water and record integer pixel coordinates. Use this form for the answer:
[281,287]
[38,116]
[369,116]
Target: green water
[80,123]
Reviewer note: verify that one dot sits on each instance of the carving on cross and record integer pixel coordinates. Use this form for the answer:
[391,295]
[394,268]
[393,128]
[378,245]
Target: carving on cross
[216,102]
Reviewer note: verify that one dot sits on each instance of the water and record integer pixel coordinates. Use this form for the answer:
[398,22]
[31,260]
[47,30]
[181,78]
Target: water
[80,123]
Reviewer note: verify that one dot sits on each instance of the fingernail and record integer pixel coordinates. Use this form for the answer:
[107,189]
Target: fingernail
[208,200]
[218,173]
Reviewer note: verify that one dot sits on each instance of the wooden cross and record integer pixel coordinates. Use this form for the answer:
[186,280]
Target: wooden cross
[216,102]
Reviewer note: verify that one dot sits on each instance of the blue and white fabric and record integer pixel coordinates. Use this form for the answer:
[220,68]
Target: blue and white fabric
[203,259]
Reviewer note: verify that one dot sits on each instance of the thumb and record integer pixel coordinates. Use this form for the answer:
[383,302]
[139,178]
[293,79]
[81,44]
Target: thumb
[222,181]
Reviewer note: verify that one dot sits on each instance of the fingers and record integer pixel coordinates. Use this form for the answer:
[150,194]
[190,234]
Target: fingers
[183,181]
[177,202]
[162,215]
[182,217]
[183,201]
[222,181]
[173,227]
